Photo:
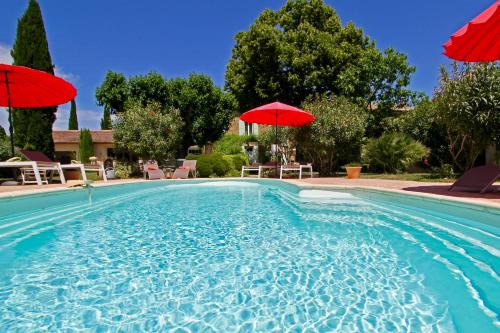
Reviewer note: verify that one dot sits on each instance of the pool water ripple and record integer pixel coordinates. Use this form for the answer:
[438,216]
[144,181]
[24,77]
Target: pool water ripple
[245,259]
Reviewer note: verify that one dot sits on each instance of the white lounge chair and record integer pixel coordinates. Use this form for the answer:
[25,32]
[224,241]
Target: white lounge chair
[152,170]
[188,167]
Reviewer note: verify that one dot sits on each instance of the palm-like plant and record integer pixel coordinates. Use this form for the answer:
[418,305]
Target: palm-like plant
[393,152]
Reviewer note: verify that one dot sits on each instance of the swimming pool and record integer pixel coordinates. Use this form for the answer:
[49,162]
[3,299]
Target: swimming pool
[256,256]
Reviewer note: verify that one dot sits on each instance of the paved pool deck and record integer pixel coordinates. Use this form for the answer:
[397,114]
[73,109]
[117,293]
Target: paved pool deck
[427,189]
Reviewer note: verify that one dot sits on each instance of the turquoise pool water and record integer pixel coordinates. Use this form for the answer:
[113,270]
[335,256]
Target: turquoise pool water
[243,257]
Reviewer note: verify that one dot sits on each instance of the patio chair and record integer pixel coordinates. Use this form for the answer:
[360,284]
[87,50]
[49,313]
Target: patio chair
[188,167]
[300,168]
[478,179]
[152,170]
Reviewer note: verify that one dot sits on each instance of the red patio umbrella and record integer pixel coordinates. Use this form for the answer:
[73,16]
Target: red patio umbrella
[277,114]
[23,87]
[478,40]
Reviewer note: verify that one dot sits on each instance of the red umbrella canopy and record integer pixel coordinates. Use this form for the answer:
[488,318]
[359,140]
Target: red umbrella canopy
[278,114]
[30,88]
[478,40]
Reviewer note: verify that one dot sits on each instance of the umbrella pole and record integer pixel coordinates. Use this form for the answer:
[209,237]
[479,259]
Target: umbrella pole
[11,129]
[276,146]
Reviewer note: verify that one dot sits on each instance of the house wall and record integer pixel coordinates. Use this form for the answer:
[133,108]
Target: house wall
[100,149]
[238,127]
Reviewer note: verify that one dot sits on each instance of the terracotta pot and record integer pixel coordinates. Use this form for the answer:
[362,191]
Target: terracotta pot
[353,171]
[72,174]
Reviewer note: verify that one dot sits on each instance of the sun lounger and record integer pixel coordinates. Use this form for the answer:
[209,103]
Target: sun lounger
[478,179]
[46,167]
[191,164]
[188,167]
[38,169]
[152,170]
[300,168]
[45,163]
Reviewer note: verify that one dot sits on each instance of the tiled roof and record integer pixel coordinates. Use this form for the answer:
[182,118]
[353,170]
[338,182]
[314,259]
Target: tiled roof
[71,136]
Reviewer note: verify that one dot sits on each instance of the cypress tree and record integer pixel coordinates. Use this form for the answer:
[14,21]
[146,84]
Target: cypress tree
[106,120]
[86,145]
[33,127]
[73,119]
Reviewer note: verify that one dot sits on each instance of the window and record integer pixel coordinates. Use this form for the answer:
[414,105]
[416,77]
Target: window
[248,129]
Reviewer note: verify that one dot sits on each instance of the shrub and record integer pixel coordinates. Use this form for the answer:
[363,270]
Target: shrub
[238,160]
[443,171]
[125,170]
[393,152]
[335,134]
[203,164]
[220,166]
[216,164]
[231,144]
[4,150]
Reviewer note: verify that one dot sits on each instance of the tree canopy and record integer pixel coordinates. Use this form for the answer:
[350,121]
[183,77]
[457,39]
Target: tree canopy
[150,131]
[205,109]
[467,104]
[303,49]
[33,127]
[335,135]
[113,92]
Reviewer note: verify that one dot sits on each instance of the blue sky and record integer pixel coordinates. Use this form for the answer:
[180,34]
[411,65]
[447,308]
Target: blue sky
[88,38]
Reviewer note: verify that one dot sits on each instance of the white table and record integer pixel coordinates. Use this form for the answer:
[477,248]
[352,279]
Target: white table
[36,169]
[257,168]
[299,168]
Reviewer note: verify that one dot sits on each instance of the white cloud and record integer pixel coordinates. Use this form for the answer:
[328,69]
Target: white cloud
[86,118]
[5,57]
[70,77]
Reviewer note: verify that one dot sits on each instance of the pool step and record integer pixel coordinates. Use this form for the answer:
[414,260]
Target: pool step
[24,226]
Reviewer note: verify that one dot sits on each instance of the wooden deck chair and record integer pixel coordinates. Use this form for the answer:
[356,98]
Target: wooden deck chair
[478,179]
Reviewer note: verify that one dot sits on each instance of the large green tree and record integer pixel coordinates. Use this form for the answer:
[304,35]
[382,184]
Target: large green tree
[468,106]
[150,131]
[73,119]
[303,49]
[33,127]
[205,109]
[113,93]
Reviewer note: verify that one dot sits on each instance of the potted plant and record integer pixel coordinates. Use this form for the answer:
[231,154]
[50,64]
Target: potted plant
[353,170]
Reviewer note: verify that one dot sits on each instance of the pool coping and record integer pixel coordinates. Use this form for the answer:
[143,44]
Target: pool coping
[430,197]
[489,207]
